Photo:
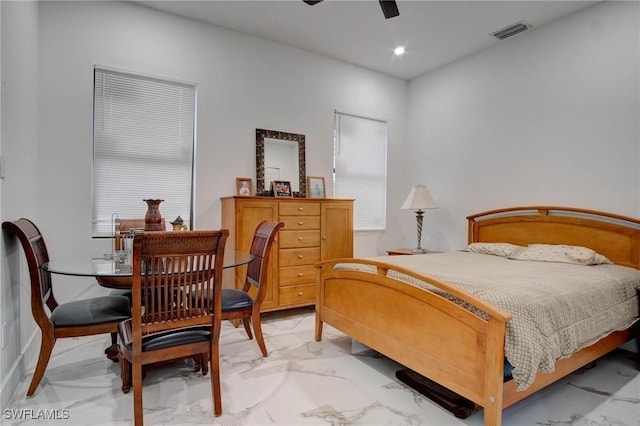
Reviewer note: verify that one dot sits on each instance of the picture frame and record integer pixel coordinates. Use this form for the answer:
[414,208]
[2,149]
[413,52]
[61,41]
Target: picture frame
[315,187]
[281,188]
[244,187]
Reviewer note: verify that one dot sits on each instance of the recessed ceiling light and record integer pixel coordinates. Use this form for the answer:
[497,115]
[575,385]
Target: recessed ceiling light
[399,50]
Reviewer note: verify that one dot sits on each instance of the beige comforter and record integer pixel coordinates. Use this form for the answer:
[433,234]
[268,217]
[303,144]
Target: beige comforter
[557,308]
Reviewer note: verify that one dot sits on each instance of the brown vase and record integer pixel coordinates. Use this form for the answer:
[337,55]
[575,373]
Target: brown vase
[153,219]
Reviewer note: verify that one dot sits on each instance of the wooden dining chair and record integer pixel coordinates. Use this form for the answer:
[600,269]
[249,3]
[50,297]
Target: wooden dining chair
[121,240]
[239,304]
[123,228]
[84,317]
[168,321]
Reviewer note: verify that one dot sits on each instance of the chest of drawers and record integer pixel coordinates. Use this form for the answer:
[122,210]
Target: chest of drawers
[314,229]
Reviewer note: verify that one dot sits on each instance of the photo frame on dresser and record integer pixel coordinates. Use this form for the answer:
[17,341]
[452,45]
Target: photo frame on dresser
[315,187]
[281,188]
[244,187]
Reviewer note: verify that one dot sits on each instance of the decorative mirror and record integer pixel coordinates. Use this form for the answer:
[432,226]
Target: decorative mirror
[280,156]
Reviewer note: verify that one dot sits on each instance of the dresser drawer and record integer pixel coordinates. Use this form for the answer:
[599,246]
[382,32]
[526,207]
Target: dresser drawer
[292,239]
[297,295]
[300,222]
[299,209]
[299,256]
[298,275]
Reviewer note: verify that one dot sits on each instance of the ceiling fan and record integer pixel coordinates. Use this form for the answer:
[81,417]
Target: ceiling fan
[389,7]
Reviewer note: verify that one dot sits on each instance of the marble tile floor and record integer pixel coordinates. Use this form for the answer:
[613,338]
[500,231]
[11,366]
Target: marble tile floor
[302,382]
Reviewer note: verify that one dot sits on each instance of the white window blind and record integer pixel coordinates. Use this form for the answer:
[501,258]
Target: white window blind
[360,168]
[143,146]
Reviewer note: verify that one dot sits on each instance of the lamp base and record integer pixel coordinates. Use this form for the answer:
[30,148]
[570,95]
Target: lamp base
[418,250]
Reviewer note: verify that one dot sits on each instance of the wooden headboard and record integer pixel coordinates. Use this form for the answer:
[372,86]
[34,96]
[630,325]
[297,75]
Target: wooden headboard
[614,236]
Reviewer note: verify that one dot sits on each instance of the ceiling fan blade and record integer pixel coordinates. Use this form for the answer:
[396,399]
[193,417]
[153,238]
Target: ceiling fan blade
[389,8]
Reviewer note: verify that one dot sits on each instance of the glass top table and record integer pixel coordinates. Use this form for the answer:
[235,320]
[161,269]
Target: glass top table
[115,272]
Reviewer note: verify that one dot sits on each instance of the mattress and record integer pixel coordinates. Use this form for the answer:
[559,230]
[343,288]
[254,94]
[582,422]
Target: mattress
[557,308]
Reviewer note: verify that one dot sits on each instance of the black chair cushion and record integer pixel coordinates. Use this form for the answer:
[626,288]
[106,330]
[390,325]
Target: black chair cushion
[126,293]
[167,339]
[235,300]
[97,310]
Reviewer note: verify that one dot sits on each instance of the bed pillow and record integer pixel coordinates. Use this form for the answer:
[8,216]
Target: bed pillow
[496,249]
[561,253]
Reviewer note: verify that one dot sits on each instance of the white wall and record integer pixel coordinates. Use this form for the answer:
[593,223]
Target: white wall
[19,189]
[243,83]
[547,117]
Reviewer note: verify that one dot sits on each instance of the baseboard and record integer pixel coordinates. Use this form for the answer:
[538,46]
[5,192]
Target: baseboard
[24,363]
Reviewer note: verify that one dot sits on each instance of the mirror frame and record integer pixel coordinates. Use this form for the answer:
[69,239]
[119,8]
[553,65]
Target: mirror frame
[261,134]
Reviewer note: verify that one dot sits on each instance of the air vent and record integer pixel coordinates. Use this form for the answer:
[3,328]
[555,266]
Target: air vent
[511,30]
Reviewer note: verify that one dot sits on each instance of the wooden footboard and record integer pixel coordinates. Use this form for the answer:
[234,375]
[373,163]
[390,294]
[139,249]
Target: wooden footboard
[417,328]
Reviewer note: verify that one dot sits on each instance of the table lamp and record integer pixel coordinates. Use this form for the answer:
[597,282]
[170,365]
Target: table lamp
[419,199]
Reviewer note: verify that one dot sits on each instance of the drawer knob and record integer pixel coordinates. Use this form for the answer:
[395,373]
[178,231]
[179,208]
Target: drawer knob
[299,274]
[300,238]
[300,256]
[299,293]
[300,209]
[301,223]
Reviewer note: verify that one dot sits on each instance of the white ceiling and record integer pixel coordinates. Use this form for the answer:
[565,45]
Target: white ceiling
[433,32]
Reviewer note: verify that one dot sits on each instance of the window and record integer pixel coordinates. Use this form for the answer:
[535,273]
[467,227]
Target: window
[143,147]
[360,168]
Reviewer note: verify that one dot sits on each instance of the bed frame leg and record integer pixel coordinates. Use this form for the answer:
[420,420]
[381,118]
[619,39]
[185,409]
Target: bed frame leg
[492,415]
[318,327]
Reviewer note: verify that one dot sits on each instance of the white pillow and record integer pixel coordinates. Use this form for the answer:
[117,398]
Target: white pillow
[561,253]
[496,249]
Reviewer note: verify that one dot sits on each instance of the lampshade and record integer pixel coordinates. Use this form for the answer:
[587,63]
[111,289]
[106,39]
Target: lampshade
[419,199]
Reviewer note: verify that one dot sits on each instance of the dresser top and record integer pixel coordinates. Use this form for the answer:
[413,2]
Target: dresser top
[260,198]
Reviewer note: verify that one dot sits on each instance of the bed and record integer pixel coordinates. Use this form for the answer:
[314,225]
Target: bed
[454,338]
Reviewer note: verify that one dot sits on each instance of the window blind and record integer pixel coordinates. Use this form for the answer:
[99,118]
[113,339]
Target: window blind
[143,147]
[360,168]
